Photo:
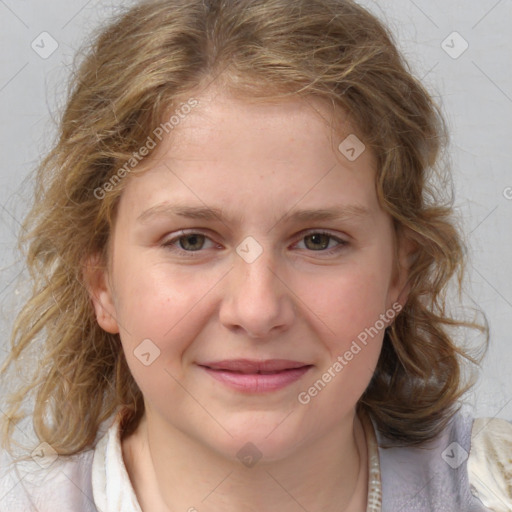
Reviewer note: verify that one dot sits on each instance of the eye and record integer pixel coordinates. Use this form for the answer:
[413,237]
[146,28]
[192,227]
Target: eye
[319,241]
[187,242]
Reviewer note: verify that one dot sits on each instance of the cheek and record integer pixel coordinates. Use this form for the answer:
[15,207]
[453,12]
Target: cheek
[162,305]
[347,302]
[351,332]
[347,312]
[160,317]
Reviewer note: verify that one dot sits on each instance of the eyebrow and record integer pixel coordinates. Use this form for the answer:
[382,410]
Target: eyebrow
[335,213]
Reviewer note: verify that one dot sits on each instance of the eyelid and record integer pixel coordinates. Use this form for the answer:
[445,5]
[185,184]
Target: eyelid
[301,234]
[324,231]
[319,231]
[341,242]
[168,241]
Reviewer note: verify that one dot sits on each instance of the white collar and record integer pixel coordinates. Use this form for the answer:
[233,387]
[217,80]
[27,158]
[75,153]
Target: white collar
[111,486]
[113,491]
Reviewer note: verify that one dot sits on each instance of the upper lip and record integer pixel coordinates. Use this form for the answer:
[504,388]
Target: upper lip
[254,366]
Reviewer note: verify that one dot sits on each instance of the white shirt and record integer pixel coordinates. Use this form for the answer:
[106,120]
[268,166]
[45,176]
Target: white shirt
[66,484]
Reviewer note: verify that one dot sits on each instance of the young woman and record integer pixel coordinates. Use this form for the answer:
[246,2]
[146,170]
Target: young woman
[240,255]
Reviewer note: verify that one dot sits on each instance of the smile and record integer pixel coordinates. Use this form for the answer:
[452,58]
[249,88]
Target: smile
[256,376]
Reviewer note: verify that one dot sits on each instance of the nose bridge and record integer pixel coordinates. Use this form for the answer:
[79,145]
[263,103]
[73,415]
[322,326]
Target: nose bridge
[258,301]
[254,269]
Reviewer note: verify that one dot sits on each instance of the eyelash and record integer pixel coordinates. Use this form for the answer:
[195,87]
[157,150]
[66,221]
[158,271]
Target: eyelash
[169,244]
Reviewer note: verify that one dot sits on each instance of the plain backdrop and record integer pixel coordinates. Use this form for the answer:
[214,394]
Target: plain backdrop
[460,49]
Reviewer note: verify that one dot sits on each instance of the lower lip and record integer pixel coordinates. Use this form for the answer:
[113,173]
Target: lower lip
[257,382]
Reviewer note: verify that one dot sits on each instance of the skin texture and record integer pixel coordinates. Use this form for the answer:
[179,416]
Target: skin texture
[256,162]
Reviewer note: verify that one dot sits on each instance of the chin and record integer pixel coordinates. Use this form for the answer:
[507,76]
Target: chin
[257,441]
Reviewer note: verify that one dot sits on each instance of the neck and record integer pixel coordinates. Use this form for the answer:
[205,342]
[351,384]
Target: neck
[171,471]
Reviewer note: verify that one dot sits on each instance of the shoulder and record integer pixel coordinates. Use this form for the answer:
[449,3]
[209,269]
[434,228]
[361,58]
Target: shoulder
[46,482]
[435,475]
[490,463]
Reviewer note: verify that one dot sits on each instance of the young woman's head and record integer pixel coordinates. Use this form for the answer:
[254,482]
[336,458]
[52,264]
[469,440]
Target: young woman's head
[290,142]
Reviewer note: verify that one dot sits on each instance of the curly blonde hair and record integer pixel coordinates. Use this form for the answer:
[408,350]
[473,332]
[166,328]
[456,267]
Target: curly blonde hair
[140,68]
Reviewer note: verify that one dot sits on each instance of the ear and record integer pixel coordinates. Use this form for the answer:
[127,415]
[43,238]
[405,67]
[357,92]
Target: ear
[405,255]
[97,283]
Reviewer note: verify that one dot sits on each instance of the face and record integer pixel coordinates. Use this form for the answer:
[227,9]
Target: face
[251,237]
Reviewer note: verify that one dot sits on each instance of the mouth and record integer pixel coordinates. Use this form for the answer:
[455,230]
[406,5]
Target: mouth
[246,366]
[256,376]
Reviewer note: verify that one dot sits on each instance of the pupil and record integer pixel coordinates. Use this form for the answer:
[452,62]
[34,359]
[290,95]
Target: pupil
[190,238]
[317,239]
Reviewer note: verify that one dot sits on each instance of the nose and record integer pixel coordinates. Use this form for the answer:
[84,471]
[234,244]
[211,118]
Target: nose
[257,300]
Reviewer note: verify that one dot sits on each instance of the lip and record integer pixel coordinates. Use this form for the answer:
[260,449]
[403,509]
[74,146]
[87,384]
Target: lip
[254,376]
[254,365]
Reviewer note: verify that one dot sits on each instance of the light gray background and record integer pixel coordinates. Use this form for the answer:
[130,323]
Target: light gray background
[475,90]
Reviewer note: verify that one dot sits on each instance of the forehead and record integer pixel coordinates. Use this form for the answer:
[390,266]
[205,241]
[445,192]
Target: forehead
[233,150]
[244,123]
